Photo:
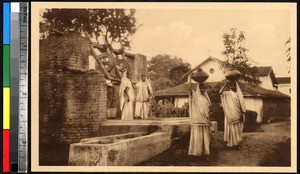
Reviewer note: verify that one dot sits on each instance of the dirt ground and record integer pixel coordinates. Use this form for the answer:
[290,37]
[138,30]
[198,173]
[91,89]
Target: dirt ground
[269,145]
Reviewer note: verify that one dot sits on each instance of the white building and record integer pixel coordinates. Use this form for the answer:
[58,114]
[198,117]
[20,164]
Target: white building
[256,97]
[267,77]
[214,68]
[284,85]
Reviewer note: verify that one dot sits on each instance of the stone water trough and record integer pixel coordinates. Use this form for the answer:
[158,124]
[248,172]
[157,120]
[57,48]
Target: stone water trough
[118,150]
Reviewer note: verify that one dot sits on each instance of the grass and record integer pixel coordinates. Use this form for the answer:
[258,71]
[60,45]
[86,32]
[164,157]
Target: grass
[280,155]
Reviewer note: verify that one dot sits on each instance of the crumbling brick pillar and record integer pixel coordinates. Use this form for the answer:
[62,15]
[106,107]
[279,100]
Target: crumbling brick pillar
[72,99]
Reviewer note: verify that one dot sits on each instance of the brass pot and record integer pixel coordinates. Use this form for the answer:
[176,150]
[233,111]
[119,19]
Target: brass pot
[200,76]
[233,75]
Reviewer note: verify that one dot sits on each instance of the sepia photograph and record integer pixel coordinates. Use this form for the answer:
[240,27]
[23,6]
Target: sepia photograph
[157,87]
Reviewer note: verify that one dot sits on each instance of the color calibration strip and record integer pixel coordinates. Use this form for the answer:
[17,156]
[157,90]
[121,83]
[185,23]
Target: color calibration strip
[23,89]
[14,82]
[15,78]
[6,87]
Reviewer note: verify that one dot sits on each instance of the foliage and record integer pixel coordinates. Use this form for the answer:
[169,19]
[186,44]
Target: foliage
[288,51]
[162,83]
[216,111]
[116,24]
[236,56]
[167,109]
[165,71]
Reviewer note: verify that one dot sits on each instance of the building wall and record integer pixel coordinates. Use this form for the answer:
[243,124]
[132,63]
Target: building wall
[252,103]
[276,108]
[284,88]
[266,82]
[217,75]
[255,104]
[92,62]
[72,99]
[179,102]
[138,66]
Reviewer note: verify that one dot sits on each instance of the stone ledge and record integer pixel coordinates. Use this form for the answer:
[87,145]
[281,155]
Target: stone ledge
[121,151]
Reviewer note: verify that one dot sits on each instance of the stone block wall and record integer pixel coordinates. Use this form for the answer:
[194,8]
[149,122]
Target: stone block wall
[72,99]
[138,66]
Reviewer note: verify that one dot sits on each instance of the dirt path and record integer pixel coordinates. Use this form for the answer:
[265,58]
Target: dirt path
[256,146]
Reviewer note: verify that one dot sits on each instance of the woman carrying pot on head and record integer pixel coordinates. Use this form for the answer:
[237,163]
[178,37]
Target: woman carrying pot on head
[199,115]
[234,110]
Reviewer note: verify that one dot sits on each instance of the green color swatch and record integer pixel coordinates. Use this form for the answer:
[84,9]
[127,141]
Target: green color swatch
[6,65]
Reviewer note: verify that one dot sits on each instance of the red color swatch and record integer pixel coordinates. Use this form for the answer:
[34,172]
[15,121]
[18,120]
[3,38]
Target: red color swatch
[6,150]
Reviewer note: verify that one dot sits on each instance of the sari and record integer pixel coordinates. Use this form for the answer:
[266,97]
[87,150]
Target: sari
[234,106]
[200,124]
[126,101]
[144,90]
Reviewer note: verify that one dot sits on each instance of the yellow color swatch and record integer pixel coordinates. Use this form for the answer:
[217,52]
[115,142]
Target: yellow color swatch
[6,108]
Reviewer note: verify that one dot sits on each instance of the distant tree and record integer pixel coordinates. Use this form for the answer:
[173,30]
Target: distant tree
[165,71]
[236,55]
[288,51]
[162,83]
[116,24]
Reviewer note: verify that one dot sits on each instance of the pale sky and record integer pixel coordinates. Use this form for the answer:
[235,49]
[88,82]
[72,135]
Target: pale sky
[193,34]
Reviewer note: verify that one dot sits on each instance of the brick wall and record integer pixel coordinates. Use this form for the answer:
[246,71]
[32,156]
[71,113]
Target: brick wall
[72,100]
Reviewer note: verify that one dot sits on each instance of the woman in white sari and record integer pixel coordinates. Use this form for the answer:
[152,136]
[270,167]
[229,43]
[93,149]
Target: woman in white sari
[200,122]
[144,92]
[234,110]
[126,97]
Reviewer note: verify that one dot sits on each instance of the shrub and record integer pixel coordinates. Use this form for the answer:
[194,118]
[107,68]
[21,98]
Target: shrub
[250,122]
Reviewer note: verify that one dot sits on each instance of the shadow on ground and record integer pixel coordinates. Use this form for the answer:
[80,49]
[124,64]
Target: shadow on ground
[268,145]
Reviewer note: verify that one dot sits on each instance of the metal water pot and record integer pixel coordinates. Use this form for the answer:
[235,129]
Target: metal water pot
[233,75]
[200,76]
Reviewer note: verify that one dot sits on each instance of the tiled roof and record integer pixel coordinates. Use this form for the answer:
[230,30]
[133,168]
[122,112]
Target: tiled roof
[247,90]
[283,80]
[211,58]
[263,70]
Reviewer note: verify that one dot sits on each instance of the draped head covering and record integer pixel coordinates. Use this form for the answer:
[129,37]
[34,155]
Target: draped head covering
[233,104]
[241,98]
[125,82]
[148,84]
[200,107]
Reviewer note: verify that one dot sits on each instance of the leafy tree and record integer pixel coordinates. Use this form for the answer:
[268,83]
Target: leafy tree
[116,24]
[236,56]
[288,51]
[177,72]
[165,71]
[162,83]
[216,110]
